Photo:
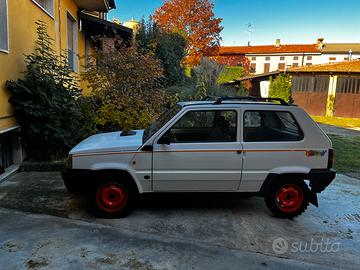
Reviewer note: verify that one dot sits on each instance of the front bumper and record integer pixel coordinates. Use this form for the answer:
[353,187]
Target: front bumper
[320,179]
[77,181]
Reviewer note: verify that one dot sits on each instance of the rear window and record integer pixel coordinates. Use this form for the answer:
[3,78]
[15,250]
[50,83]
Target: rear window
[271,126]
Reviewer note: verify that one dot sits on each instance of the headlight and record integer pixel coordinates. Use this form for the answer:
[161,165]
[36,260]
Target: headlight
[69,162]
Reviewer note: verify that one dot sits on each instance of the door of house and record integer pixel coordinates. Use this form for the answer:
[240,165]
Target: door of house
[266,67]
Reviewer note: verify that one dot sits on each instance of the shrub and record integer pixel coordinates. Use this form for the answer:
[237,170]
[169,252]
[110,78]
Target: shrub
[231,73]
[126,83]
[45,102]
[280,87]
[207,74]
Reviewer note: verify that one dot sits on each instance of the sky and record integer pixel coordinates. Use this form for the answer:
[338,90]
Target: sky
[292,21]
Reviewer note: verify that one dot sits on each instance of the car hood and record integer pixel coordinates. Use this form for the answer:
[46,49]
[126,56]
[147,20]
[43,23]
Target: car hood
[110,142]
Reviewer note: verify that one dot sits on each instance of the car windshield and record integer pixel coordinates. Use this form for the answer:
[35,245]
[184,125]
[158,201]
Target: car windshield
[160,122]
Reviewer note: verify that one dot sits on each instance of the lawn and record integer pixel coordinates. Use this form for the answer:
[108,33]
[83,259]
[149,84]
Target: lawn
[338,121]
[347,153]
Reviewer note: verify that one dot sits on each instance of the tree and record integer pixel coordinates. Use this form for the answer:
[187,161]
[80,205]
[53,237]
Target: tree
[169,48]
[127,86]
[280,87]
[45,102]
[195,20]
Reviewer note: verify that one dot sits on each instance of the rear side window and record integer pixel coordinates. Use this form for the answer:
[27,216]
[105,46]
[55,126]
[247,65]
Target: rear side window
[205,126]
[271,126]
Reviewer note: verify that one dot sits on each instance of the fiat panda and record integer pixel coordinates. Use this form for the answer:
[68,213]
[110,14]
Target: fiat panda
[243,145]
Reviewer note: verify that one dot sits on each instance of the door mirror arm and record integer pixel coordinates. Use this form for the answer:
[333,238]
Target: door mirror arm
[165,140]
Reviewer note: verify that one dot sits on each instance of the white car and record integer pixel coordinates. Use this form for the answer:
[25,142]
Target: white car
[256,146]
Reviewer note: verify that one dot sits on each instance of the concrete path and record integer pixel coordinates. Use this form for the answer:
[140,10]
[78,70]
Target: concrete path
[46,242]
[340,131]
[180,232]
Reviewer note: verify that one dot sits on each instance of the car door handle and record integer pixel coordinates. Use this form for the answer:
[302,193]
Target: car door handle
[239,152]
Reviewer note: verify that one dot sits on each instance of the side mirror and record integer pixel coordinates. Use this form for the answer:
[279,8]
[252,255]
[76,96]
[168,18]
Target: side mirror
[164,140]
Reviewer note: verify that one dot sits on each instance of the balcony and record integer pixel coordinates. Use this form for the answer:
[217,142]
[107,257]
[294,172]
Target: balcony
[96,5]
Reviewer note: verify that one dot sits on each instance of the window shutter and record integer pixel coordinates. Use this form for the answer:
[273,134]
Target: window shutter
[4,45]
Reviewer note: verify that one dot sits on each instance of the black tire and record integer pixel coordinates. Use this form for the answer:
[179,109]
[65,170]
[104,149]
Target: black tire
[287,197]
[124,197]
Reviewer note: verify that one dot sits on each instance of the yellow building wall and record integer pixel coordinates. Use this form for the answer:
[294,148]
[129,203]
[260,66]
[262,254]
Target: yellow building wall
[22,16]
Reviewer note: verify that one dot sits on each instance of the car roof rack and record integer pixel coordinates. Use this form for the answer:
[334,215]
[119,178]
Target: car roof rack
[219,100]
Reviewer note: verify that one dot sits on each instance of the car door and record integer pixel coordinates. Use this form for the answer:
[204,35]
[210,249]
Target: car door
[200,152]
[272,143]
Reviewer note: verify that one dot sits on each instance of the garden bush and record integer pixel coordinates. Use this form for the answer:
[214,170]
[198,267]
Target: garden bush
[45,102]
[127,85]
[280,87]
[231,73]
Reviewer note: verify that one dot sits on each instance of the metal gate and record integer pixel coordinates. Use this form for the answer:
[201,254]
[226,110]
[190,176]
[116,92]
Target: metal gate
[6,153]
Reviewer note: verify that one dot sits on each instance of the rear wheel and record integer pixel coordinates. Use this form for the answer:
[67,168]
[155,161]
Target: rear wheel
[112,199]
[288,198]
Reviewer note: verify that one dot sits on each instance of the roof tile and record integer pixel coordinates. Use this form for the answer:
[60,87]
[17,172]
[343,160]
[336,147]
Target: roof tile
[263,49]
[340,67]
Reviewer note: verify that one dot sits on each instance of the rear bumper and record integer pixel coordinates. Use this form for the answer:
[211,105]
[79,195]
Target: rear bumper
[321,178]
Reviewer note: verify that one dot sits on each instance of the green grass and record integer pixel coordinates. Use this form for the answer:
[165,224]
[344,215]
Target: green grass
[338,121]
[347,153]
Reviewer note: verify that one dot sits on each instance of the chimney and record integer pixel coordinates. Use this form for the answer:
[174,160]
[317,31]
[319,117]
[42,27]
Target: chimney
[320,43]
[278,43]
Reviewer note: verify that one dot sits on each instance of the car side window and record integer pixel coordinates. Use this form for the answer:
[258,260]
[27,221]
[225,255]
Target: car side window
[265,126]
[205,126]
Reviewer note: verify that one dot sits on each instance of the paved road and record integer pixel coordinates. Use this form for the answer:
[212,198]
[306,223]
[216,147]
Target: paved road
[41,226]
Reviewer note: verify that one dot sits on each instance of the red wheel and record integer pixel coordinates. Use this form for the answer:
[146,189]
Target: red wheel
[289,198]
[111,197]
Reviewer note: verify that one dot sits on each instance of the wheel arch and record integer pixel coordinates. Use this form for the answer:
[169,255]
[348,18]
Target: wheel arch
[123,174]
[275,176]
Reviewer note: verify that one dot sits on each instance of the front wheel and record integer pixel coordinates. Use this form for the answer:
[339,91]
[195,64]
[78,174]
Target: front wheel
[288,198]
[112,199]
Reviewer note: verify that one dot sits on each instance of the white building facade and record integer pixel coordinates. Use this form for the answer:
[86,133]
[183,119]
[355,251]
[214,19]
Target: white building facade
[269,58]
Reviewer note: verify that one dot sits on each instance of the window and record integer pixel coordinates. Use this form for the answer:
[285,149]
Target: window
[319,83]
[163,119]
[266,67]
[205,126]
[346,58]
[281,66]
[270,126]
[309,57]
[47,5]
[4,35]
[282,58]
[332,58]
[295,64]
[267,58]
[72,42]
[348,84]
[253,58]
[296,58]
[253,68]
[308,64]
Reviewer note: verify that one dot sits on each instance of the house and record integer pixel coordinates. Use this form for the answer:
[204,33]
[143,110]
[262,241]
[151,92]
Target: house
[71,24]
[269,58]
[258,85]
[329,89]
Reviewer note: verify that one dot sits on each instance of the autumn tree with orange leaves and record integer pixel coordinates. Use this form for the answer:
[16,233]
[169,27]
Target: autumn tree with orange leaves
[195,20]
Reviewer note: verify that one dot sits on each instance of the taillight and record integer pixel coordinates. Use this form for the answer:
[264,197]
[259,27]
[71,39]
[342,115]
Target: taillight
[331,158]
